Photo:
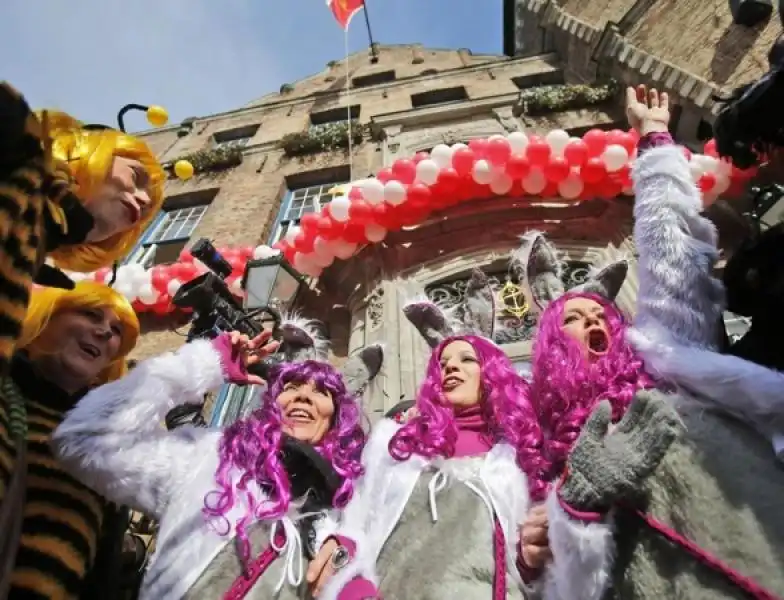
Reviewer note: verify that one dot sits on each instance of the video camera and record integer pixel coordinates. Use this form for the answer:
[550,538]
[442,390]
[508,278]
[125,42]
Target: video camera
[217,310]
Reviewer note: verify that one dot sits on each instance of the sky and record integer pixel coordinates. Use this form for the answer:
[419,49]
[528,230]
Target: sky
[199,57]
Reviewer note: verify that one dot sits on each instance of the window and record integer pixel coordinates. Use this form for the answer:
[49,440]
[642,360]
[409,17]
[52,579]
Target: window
[239,136]
[334,115]
[234,402]
[299,201]
[523,82]
[171,229]
[373,79]
[442,96]
[429,72]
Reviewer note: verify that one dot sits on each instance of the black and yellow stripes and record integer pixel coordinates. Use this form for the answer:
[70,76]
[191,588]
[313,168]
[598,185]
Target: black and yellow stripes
[61,520]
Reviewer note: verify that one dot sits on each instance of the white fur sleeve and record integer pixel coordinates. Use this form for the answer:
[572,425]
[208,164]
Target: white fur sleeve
[115,441]
[678,298]
[582,556]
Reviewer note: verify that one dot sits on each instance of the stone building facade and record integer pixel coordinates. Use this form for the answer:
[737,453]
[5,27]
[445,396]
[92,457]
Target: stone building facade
[410,98]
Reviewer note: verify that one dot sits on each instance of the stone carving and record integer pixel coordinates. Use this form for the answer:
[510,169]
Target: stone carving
[511,328]
[375,308]
[507,119]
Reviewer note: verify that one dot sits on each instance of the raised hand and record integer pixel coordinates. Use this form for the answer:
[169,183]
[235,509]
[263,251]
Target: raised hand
[607,467]
[239,352]
[648,111]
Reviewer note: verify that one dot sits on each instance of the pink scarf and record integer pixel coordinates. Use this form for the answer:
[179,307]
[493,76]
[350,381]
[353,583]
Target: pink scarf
[473,432]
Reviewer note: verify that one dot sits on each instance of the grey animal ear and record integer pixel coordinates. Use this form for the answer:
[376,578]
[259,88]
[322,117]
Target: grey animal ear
[538,269]
[302,340]
[430,320]
[479,309]
[607,282]
[362,368]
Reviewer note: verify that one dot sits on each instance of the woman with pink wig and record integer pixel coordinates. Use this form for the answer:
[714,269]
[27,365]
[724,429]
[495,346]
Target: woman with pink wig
[238,508]
[437,512]
[696,510]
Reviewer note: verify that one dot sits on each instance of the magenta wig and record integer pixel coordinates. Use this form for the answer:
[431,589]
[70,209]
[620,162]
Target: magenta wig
[504,399]
[566,387]
[251,446]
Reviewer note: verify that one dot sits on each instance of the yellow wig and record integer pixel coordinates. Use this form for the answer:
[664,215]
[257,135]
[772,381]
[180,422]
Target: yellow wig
[45,302]
[88,156]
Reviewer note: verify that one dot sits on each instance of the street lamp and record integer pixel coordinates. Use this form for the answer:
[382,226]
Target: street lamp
[271,284]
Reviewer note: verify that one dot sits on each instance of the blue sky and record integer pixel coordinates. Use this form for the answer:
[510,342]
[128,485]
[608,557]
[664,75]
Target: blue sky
[198,57]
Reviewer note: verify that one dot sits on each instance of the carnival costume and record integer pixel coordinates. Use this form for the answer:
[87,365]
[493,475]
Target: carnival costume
[706,524]
[52,530]
[443,528]
[113,440]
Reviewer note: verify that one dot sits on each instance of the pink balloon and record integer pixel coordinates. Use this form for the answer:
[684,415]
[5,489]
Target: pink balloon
[463,160]
[404,171]
[498,152]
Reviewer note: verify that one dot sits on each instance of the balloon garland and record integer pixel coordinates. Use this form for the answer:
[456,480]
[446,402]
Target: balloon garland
[517,164]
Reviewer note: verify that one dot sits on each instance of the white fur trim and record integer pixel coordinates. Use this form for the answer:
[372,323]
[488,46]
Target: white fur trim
[582,556]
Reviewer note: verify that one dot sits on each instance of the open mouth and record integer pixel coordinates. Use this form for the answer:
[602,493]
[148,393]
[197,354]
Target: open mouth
[89,350]
[598,343]
[134,214]
[451,382]
[299,415]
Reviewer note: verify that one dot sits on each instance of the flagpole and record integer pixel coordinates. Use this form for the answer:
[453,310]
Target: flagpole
[370,33]
[348,107]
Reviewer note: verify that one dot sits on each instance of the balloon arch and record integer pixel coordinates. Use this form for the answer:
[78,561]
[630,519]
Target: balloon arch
[405,194]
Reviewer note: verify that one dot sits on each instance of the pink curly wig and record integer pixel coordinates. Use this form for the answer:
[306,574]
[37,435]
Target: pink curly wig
[565,387]
[251,446]
[505,404]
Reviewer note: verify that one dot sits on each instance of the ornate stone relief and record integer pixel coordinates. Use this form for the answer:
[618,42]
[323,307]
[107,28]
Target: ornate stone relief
[410,142]
[507,119]
[375,308]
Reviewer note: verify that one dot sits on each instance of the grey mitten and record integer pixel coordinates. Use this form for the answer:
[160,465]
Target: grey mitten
[605,468]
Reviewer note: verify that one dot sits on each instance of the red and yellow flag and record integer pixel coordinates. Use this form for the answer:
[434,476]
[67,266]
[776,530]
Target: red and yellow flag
[344,10]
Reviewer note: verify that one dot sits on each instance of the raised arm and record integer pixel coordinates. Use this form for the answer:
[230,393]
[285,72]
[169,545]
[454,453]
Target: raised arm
[678,298]
[115,441]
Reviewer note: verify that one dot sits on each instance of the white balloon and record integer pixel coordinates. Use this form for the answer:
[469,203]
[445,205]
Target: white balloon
[496,136]
[338,208]
[557,139]
[302,262]
[427,171]
[615,157]
[375,233]
[236,286]
[77,277]
[501,184]
[709,164]
[125,274]
[394,193]
[534,182]
[482,172]
[696,168]
[125,289]
[344,249]
[139,273]
[441,155]
[264,251]
[173,286]
[373,191]
[722,184]
[571,187]
[456,147]
[322,247]
[518,141]
[291,234]
[147,294]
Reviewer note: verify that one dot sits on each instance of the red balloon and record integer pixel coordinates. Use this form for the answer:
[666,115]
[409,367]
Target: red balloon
[557,169]
[550,190]
[404,171]
[479,148]
[608,189]
[517,190]
[380,214]
[498,151]
[355,233]
[463,160]
[538,153]
[707,182]
[187,271]
[355,194]
[517,167]
[596,141]
[160,279]
[335,231]
[622,175]
[420,156]
[186,256]
[384,175]
[324,225]
[448,179]
[308,221]
[593,171]
[418,195]
[303,243]
[576,153]
[359,211]
[615,136]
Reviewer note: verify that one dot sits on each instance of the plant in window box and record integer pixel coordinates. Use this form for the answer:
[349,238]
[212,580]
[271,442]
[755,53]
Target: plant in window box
[212,160]
[555,98]
[323,138]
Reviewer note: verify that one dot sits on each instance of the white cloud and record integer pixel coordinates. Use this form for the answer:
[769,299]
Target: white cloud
[90,57]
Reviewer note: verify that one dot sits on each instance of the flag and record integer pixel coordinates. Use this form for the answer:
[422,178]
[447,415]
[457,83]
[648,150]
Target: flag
[344,10]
